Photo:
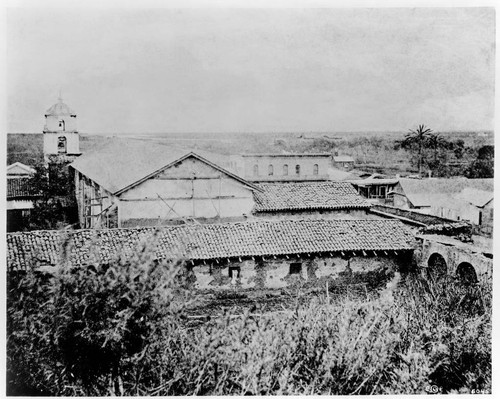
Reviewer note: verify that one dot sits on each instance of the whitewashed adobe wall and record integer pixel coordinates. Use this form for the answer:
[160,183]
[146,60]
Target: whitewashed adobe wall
[51,140]
[192,189]
[278,162]
[56,123]
[277,273]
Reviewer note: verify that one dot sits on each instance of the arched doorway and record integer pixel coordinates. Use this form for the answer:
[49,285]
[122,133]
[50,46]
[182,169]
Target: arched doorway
[437,266]
[466,273]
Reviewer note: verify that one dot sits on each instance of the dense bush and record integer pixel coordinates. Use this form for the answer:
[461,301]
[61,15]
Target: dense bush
[80,330]
[119,329]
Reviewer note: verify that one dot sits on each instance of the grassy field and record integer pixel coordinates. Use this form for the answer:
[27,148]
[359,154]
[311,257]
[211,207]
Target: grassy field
[126,328]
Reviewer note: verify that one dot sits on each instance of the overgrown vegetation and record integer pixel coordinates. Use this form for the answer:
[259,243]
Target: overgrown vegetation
[446,158]
[55,207]
[121,328]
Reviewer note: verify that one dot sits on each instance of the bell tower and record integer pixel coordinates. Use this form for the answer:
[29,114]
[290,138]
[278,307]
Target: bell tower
[61,141]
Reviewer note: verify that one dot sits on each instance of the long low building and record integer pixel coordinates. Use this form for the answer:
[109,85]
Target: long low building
[281,252]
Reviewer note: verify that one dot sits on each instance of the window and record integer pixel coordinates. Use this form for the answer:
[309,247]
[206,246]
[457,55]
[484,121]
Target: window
[62,125]
[315,169]
[270,170]
[256,170]
[297,169]
[61,145]
[295,268]
[285,170]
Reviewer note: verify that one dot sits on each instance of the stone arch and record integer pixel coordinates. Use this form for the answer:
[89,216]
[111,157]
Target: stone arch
[437,266]
[466,273]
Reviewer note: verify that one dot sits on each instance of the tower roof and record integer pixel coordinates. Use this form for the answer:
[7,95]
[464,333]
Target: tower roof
[59,109]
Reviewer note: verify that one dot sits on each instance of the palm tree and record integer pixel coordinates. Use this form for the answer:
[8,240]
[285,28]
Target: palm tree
[419,138]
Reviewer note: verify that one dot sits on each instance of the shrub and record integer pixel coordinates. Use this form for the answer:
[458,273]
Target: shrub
[123,329]
[79,330]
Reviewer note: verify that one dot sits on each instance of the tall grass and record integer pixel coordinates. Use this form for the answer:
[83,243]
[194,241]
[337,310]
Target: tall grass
[120,329]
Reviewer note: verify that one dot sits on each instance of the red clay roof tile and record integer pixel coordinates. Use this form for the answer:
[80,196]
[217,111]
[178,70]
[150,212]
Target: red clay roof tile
[210,241]
[307,195]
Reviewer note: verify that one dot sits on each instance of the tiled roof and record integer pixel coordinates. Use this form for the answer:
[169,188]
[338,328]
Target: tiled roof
[210,241]
[19,188]
[302,196]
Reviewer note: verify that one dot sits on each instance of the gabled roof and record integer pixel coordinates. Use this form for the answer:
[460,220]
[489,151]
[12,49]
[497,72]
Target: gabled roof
[425,192]
[24,169]
[125,163]
[307,195]
[478,198]
[20,188]
[209,241]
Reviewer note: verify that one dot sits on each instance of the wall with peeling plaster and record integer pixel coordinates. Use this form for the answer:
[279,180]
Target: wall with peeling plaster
[314,272]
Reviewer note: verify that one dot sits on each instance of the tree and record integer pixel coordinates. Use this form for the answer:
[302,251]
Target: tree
[435,142]
[417,138]
[486,153]
[483,165]
[56,204]
[458,147]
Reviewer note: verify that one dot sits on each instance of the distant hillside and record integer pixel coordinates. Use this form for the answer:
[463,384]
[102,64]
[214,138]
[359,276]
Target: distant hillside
[24,147]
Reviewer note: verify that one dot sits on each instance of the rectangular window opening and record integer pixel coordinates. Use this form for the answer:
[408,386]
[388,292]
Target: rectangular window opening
[234,272]
[295,268]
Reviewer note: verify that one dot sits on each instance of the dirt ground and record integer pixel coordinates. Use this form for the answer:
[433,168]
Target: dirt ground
[209,304]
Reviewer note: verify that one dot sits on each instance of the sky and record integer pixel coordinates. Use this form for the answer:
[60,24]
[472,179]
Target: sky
[161,70]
